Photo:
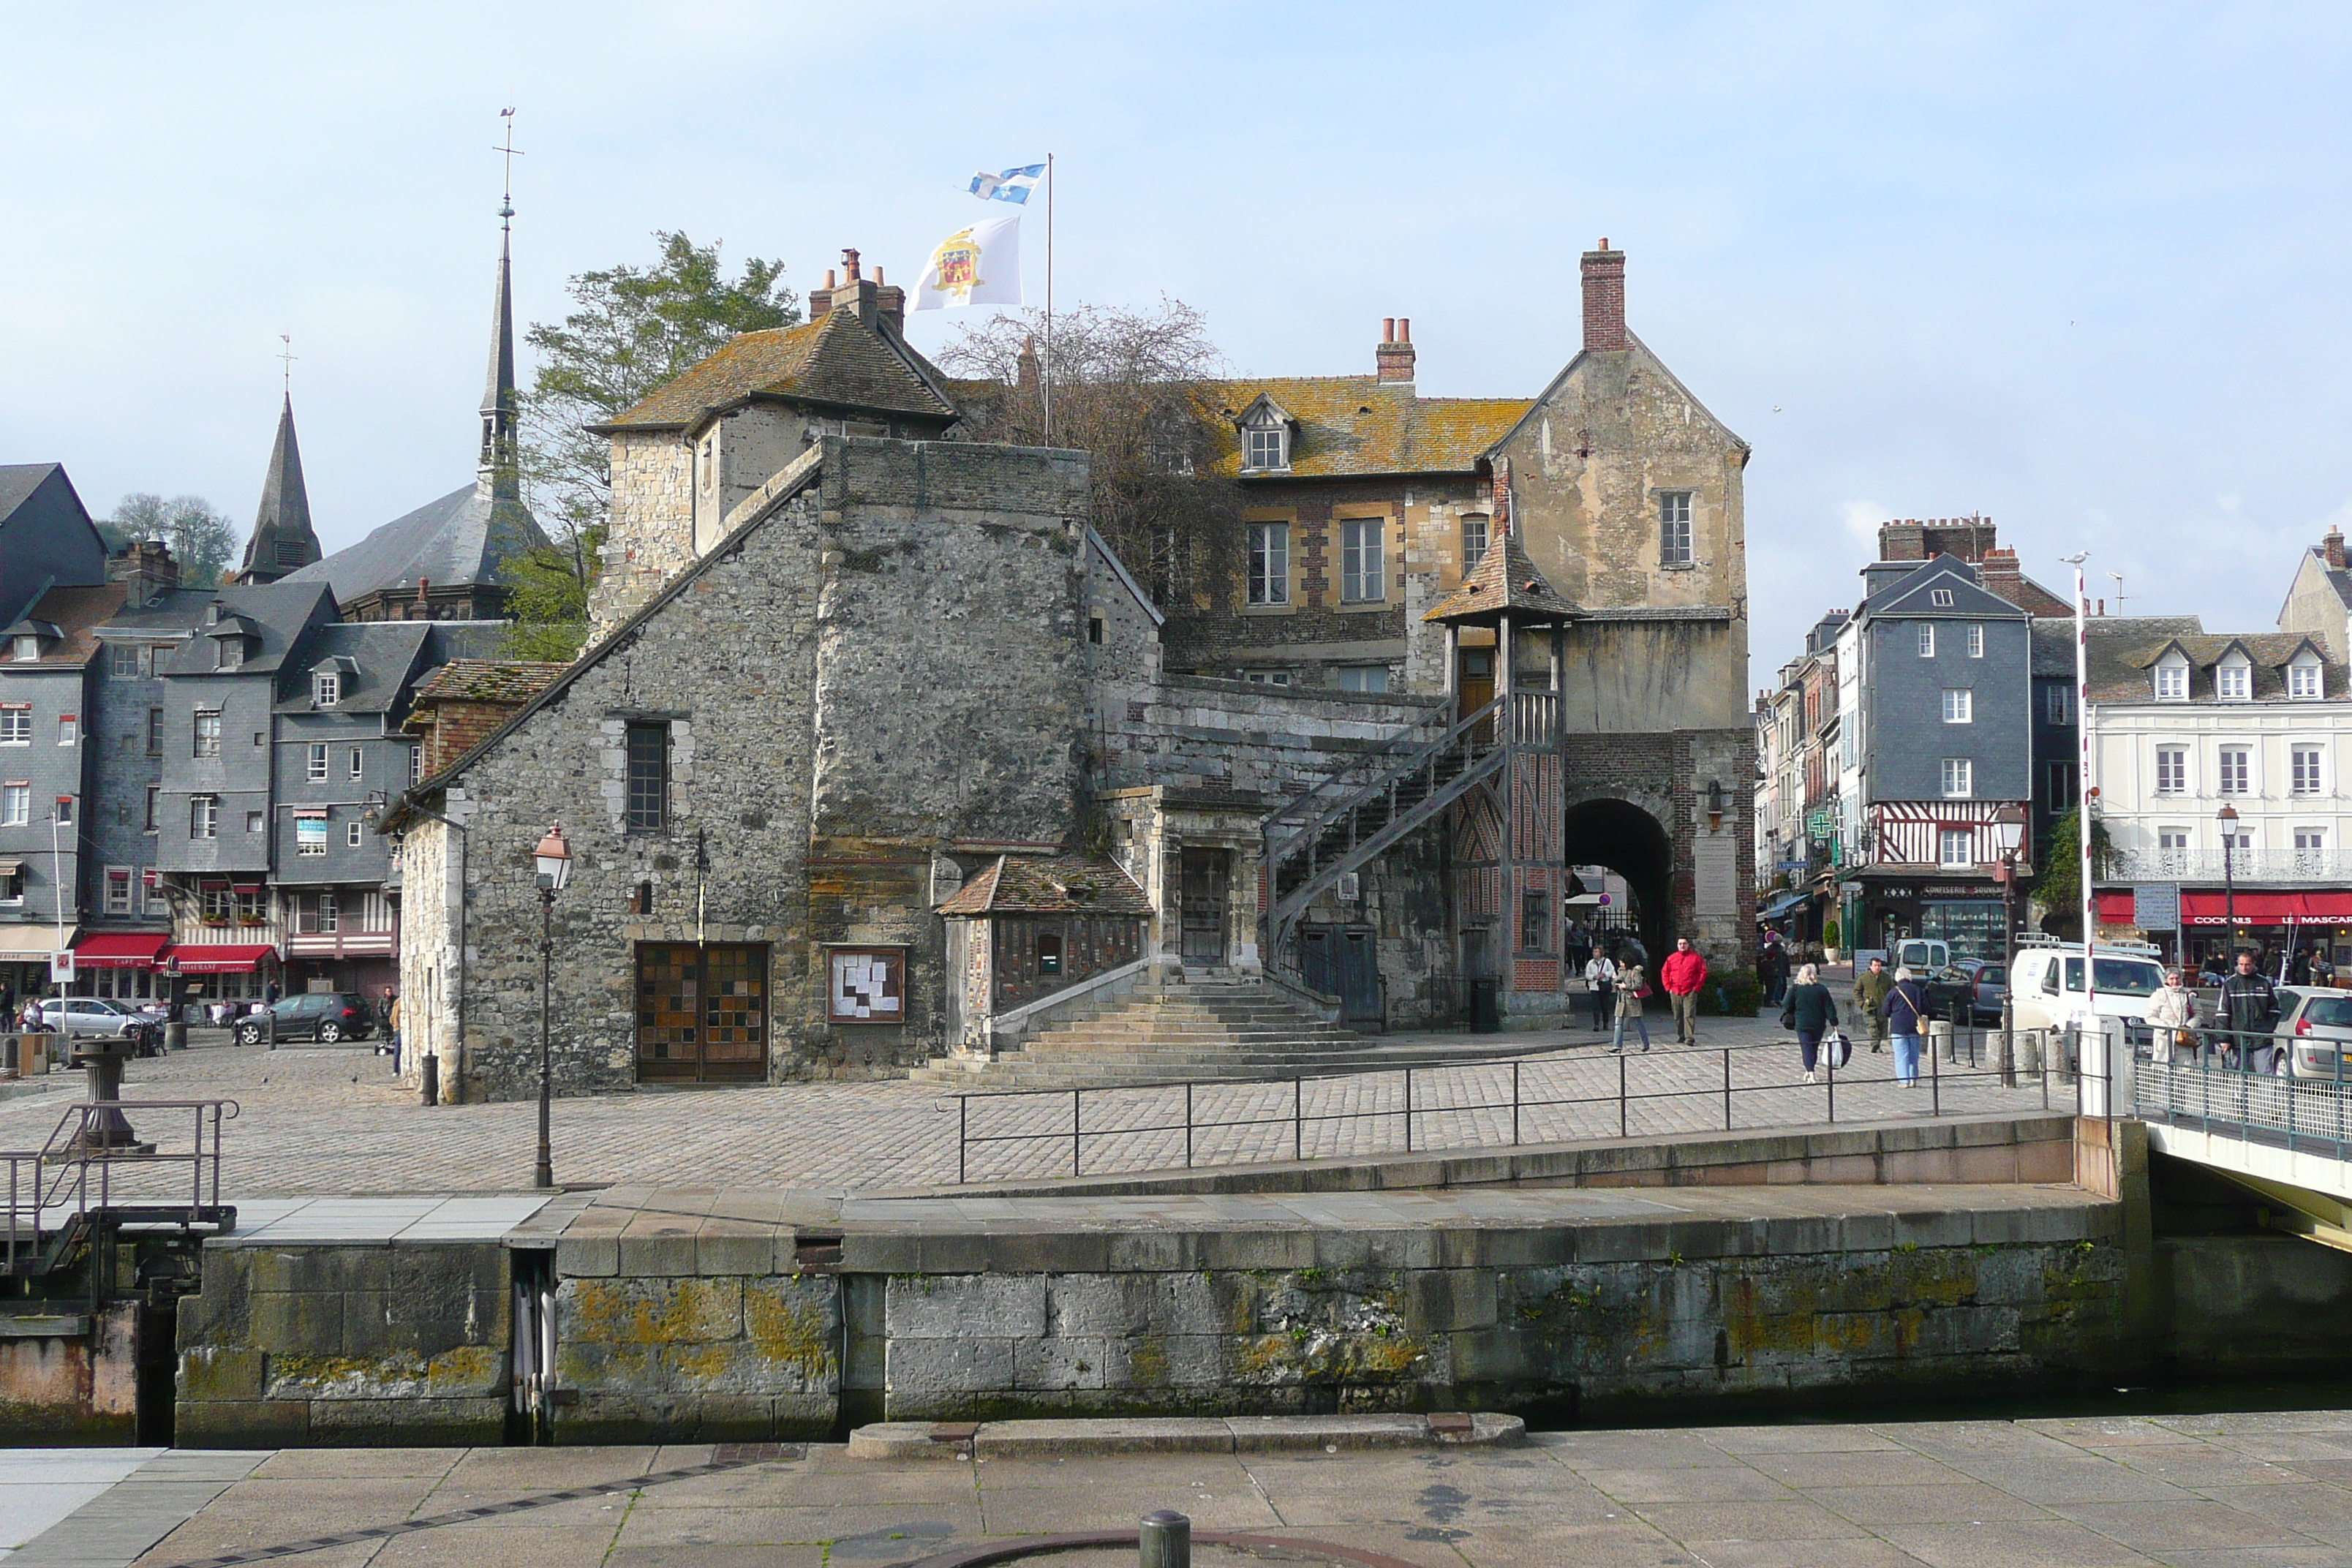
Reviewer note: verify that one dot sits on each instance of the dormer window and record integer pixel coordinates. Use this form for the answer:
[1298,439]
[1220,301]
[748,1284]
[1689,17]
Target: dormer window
[2233,680]
[2172,680]
[230,653]
[1265,438]
[326,688]
[28,649]
[2303,679]
[1940,597]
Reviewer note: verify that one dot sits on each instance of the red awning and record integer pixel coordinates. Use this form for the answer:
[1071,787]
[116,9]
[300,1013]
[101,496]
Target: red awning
[2254,907]
[120,950]
[221,958]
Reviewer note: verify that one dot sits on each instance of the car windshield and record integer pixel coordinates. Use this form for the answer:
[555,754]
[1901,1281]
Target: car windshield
[1991,974]
[2119,976]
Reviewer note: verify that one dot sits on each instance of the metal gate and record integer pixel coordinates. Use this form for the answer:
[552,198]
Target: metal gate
[1205,894]
[702,1012]
[1344,962]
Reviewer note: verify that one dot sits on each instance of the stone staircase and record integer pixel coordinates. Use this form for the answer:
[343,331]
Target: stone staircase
[1213,1026]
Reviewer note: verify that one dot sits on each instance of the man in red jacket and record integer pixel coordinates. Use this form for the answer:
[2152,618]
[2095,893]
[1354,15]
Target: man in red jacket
[1684,972]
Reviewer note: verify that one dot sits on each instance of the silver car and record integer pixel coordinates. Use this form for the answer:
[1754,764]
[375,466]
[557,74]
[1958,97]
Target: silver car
[80,1016]
[2316,1027]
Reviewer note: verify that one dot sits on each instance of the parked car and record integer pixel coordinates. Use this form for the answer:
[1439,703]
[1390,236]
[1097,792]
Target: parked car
[1948,992]
[328,1017]
[77,1016]
[2316,1027]
[2048,991]
[1987,991]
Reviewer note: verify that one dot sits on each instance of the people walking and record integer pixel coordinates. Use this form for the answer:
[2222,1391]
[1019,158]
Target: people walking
[2172,1021]
[1600,985]
[1684,972]
[1870,991]
[1772,972]
[1906,1021]
[1632,990]
[1811,1012]
[2248,1010]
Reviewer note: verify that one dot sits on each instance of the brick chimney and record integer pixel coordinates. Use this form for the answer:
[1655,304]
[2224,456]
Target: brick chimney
[2331,545]
[1394,356]
[890,304]
[2003,577]
[147,566]
[855,292]
[820,300]
[1604,300]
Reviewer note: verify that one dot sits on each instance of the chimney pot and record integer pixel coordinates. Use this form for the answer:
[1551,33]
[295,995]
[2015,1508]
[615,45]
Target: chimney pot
[1387,329]
[1405,329]
[849,266]
[1604,300]
[878,274]
[828,278]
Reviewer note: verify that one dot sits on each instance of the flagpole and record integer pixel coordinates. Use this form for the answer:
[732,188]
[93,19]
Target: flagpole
[1047,369]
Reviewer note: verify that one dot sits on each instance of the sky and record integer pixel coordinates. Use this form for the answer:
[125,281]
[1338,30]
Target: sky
[2066,265]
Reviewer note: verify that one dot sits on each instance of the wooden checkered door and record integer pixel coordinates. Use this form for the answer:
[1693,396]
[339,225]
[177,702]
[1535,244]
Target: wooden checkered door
[702,1014]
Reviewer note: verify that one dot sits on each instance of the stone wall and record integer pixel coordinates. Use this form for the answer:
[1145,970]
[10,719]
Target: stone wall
[651,538]
[1195,732]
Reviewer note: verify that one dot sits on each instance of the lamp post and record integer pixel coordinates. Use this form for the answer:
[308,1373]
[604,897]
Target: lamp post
[554,859]
[2009,835]
[2228,818]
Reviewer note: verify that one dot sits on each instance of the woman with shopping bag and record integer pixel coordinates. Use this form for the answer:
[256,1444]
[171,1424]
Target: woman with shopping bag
[1811,1012]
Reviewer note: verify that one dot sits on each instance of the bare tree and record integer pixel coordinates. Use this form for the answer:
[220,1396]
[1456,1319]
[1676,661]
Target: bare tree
[1131,389]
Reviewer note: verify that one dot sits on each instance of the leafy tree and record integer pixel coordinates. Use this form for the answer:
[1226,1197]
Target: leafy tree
[547,594]
[2059,890]
[635,328]
[203,540]
[1130,388]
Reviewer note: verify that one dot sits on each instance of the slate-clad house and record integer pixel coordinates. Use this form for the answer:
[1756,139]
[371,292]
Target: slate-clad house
[46,540]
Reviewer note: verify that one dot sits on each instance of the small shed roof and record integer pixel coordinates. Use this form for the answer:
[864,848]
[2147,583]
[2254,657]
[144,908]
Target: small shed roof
[1504,579]
[1050,884]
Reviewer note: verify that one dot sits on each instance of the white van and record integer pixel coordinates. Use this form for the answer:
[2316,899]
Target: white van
[1922,955]
[2046,986]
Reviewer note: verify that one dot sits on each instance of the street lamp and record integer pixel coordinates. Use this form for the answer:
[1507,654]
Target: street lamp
[2228,818]
[2007,836]
[554,859]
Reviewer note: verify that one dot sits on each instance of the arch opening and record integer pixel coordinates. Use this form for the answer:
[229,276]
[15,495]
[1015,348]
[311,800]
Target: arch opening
[1629,841]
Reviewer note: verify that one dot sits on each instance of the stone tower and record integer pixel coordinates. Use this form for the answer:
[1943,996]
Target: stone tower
[282,539]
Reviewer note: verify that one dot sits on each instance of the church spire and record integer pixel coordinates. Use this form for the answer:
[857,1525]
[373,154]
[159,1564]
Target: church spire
[500,407]
[282,538]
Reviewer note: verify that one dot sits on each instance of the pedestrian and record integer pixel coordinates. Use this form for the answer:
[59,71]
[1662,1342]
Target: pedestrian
[392,1027]
[1684,972]
[1870,991]
[2298,972]
[1600,983]
[1772,970]
[2172,1021]
[1811,1012]
[269,995]
[2248,1010]
[1906,1020]
[1632,990]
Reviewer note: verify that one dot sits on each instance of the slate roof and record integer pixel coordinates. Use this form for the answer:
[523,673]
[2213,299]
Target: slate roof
[20,480]
[509,682]
[75,613]
[1050,884]
[2119,668]
[466,537]
[279,613]
[1504,579]
[283,517]
[1351,426]
[2053,637]
[375,657]
[837,359]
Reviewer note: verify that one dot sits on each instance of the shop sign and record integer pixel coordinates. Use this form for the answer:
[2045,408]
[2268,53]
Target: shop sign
[2155,906]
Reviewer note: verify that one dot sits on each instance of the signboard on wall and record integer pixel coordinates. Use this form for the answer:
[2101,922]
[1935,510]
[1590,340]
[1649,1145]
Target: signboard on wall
[1714,862]
[2155,906]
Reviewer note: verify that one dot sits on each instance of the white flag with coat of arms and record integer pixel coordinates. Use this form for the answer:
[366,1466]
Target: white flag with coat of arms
[1009,186]
[976,266]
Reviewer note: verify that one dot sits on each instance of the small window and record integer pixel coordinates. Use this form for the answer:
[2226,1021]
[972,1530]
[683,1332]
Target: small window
[1959,778]
[648,784]
[154,731]
[2171,683]
[416,764]
[1959,705]
[154,792]
[1474,540]
[16,725]
[645,903]
[204,817]
[1093,635]
[28,649]
[1955,847]
[2172,839]
[118,890]
[122,660]
[2306,770]
[1049,953]
[208,732]
[65,811]
[2172,770]
[1269,563]
[1363,677]
[16,802]
[1269,677]
[2060,781]
[1940,597]
[1673,528]
[2311,840]
[1268,447]
[2058,704]
[2303,681]
[326,688]
[1976,642]
[2233,682]
[159,902]
[12,886]
[317,761]
[2233,771]
[257,821]
[1535,922]
[228,653]
[310,835]
[351,834]
[1363,575]
[69,729]
[330,912]
[354,764]
[1927,641]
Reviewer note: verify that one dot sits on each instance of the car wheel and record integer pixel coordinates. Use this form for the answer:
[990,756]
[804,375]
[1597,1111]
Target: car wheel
[248,1034]
[331,1031]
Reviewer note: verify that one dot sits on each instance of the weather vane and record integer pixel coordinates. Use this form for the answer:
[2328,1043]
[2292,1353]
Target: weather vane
[506,202]
[286,357]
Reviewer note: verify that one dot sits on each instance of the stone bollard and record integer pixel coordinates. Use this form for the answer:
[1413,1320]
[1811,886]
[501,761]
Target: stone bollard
[1940,1036]
[1164,1540]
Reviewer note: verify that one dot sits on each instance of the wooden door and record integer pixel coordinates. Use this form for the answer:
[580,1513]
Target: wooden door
[702,1012]
[1345,963]
[1474,681]
[1205,894]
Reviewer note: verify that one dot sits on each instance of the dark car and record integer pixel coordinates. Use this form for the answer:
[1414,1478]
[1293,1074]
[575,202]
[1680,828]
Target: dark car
[1947,992]
[328,1017]
[1988,991]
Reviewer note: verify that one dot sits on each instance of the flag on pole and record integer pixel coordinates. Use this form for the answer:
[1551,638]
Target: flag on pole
[976,266]
[1010,185]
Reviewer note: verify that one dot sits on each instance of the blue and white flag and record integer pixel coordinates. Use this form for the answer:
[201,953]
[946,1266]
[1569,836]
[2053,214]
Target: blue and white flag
[1012,186]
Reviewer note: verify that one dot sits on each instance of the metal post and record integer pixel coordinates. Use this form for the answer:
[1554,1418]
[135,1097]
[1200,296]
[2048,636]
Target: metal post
[1188,1125]
[1164,1541]
[1621,1094]
[1934,1087]
[1408,1110]
[1727,1089]
[1074,1111]
[964,1122]
[1296,1116]
[1829,1080]
[1514,1103]
[542,1174]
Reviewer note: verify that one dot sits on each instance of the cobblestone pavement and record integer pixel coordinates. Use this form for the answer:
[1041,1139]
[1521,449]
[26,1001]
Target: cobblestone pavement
[2192,1491]
[332,1120]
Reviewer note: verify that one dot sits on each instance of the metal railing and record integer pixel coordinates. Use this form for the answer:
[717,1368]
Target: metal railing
[85,1168]
[2244,1085]
[2245,865]
[1495,1102]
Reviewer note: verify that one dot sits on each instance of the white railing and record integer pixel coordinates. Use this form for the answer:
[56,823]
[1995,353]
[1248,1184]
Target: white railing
[2245,865]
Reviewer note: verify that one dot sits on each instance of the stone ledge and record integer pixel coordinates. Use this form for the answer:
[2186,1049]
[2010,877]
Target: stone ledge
[1179,1435]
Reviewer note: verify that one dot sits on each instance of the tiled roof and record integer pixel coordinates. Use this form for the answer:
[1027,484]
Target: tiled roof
[1355,424]
[507,682]
[835,360]
[1504,579]
[2119,666]
[1048,885]
[76,612]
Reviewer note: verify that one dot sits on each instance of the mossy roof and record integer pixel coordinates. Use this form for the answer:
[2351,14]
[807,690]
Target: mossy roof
[837,359]
[507,682]
[1352,426]
[1049,885]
